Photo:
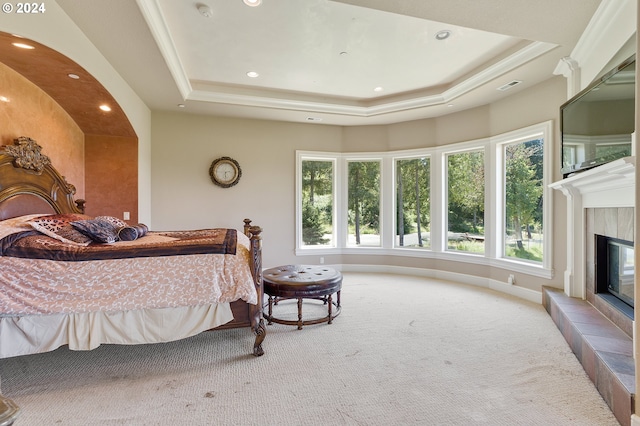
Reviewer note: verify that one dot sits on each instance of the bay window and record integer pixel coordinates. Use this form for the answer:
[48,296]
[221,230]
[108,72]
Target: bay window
[484,201]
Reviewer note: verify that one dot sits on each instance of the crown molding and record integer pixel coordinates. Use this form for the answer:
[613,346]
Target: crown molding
[613,23]
[153,16]
[606,16]
[522,56]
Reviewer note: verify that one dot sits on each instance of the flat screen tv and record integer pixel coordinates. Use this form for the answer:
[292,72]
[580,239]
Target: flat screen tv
[597,124]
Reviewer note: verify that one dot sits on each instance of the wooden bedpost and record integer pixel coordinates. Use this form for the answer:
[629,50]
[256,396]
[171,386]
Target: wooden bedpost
[255,311]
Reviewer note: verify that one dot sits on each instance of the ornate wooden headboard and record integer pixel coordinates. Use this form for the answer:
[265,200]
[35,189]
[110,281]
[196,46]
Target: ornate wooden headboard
[30,184]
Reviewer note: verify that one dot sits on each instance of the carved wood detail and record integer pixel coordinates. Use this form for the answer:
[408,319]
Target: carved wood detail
[28,155]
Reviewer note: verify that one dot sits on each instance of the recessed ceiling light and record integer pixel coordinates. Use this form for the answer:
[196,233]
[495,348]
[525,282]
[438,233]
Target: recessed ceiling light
[205,10]
[23,45]
[252,74]
[73,76]
[180,105]
[253,3]
[4,99]
[378,89]
[443,35]
[105,108]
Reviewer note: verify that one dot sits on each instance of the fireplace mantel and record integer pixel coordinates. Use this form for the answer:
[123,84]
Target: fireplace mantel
[609,185]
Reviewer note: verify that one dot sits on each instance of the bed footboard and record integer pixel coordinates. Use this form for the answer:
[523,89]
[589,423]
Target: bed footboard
[255,311]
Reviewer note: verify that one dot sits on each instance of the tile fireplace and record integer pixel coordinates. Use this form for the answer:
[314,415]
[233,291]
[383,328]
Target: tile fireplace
[596,320]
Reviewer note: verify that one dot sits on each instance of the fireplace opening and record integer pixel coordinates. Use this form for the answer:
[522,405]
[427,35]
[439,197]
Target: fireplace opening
[615,270]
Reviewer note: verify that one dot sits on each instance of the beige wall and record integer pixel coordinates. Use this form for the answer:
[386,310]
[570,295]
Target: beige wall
[183,196]
[185,145]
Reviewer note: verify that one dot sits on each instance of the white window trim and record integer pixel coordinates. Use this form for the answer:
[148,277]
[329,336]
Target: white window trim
[351,158]
[391,213]
[494,221]
[474,146]
[317,156]
[542,131]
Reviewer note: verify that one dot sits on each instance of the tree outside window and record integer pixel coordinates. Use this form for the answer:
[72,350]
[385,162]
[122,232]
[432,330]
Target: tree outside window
[465,195]
[524,200]
[364,203]
[413,207]
[317,203]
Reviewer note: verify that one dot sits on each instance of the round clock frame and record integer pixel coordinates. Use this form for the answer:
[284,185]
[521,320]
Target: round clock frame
[220,169]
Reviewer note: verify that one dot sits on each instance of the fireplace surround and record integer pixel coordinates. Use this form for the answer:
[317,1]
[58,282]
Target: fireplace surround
[598,329]
[600,200]
[606,226]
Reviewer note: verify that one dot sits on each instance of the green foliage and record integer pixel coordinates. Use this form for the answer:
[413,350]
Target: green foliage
[414,201]
[364,196]
[317,188]
[466,191]
[468,246]
[533,253]
[312,226]
[523,193]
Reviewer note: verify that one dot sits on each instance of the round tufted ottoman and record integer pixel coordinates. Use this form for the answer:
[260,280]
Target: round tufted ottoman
[302,282]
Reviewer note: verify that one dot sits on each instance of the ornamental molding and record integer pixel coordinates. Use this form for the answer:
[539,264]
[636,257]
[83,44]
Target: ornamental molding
[27,154]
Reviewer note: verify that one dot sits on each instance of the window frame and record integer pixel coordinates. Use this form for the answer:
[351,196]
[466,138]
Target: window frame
[357,159]
[494,202]
[540,131]
[416,155]
[478,146]
[313,156]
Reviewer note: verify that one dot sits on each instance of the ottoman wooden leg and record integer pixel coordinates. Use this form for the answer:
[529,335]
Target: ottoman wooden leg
[270,309]
[300,313]
[329,304]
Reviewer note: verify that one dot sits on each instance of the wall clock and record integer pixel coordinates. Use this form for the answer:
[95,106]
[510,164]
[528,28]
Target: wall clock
[225,172]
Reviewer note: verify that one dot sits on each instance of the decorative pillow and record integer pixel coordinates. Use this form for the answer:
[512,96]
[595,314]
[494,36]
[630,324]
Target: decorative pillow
[58,226]
[133,232]
[98,230]
[127,233]
[117,223]
[142,229]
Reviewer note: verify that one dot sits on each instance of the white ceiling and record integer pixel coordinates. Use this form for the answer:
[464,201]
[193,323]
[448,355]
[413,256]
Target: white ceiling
[322,59]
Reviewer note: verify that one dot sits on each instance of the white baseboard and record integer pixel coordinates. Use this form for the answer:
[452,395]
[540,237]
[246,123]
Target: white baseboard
[513,290]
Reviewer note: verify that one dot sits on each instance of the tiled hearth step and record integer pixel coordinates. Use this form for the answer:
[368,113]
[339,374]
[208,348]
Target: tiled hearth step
[604,350]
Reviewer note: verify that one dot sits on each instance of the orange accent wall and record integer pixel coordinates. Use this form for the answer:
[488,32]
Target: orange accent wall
[32,113]
[104,169]
[111,176]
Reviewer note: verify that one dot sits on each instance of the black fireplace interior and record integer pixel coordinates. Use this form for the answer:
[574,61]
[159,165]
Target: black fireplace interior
[615,272]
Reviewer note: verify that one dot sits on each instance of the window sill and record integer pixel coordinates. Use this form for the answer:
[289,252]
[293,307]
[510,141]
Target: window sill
[471,258]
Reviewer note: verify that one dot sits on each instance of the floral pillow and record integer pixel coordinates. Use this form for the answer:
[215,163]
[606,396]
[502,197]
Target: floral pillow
[59,226]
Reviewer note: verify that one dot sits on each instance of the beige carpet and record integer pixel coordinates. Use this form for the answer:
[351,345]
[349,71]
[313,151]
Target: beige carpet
[404,351]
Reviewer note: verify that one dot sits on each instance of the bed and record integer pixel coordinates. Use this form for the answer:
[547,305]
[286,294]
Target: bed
[56,289]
